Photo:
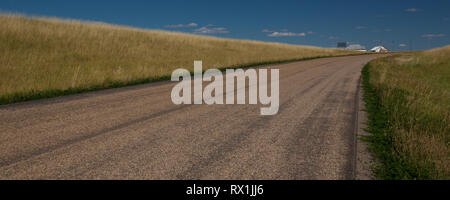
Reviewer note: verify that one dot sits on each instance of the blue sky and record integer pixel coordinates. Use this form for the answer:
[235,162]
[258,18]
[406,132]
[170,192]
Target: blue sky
[396,23]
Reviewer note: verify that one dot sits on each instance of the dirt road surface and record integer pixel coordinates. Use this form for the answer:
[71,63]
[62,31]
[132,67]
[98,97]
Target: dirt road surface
[138,133]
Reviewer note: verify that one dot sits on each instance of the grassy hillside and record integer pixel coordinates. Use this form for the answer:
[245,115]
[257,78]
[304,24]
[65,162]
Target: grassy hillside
[408,98]
[42,57]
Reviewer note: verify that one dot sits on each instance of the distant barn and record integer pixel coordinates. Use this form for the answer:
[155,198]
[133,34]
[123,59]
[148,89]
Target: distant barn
[379,49]
[356,47]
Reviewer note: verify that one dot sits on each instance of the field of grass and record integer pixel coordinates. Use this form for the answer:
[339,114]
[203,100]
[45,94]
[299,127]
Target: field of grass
[46,57]
[408,101]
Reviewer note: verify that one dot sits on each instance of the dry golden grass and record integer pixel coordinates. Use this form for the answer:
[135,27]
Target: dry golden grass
[414,90]
[47,55]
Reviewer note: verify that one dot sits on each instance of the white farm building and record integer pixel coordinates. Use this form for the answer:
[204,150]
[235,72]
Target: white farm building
[356,47]
[379,49]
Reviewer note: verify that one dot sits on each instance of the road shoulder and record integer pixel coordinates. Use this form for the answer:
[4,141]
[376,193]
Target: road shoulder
[364,158]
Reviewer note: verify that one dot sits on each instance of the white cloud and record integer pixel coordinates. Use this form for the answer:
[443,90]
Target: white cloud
[182,25]
[333,38]
[431,36]
[192,25]
[286,34]
[208,29]
[211,30]
[412,10]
